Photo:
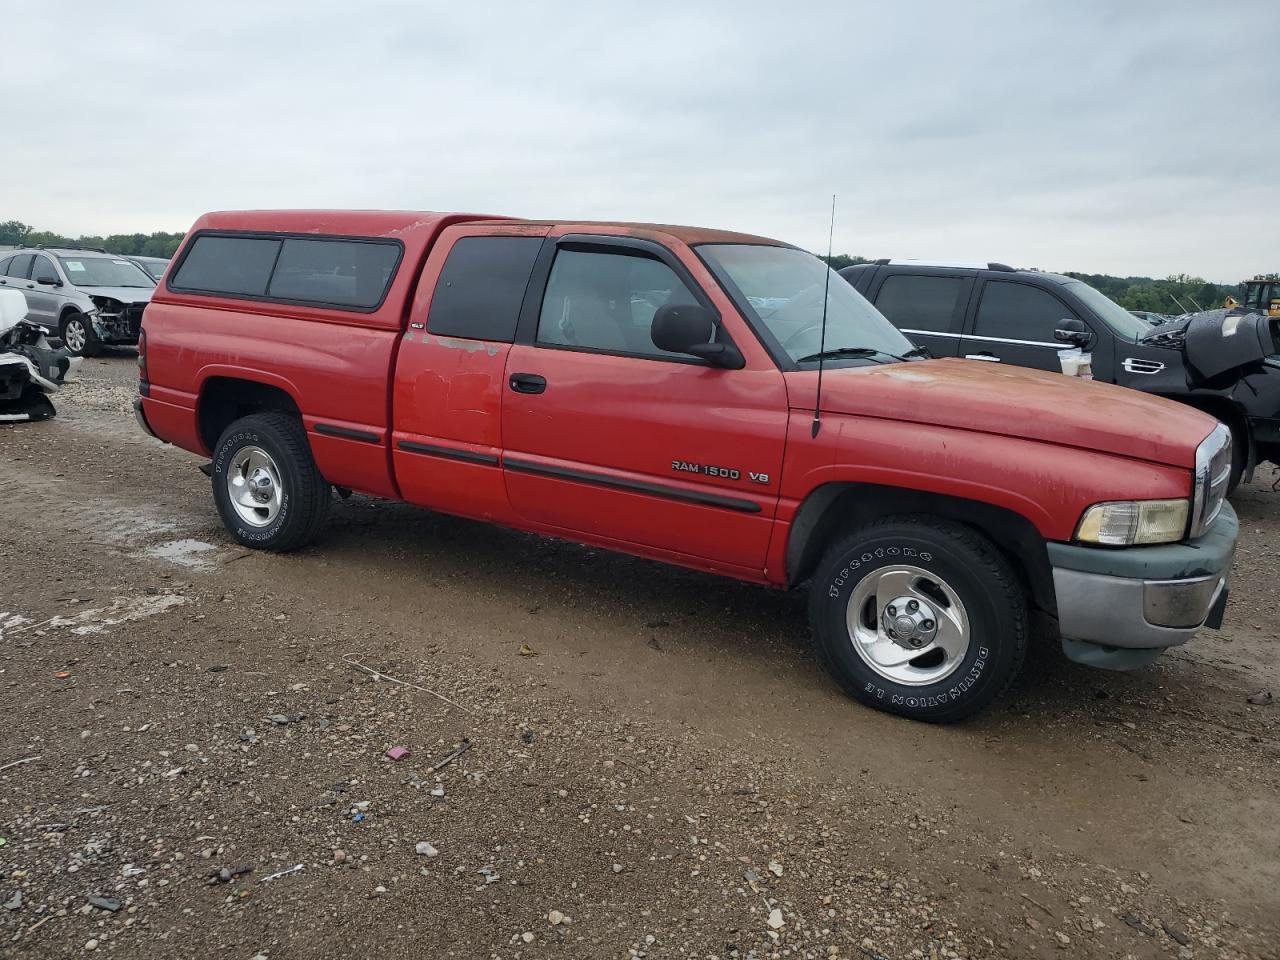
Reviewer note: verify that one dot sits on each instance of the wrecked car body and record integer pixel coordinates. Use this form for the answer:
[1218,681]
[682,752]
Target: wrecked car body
[32,368]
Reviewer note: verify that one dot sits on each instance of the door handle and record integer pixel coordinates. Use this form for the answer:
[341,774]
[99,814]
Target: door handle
[528,383]
[989,357]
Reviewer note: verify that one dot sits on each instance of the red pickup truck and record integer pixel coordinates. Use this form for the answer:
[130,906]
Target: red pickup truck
[705,398]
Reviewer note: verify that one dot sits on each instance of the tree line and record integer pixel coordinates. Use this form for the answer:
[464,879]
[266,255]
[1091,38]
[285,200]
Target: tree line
[14,233]
[1174,294]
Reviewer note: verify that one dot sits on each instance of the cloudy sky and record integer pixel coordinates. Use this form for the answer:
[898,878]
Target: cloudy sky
[1127,138]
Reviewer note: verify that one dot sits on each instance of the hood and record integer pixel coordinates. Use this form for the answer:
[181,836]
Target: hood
[1015,402]
[123,294]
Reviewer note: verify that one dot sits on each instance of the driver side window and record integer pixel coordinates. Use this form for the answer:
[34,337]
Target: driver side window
[605,302]
[43,269]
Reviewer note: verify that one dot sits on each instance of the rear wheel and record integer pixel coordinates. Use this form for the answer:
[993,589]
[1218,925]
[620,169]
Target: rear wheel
[919,616]
[78,336]
[266,485]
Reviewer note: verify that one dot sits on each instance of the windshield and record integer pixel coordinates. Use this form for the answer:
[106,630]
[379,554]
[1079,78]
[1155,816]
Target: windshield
[1116,317]
[105,272]
[784,287]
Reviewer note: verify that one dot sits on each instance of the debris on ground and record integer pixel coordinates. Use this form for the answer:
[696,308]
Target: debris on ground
[462,748]
[1261,699]
[284,873]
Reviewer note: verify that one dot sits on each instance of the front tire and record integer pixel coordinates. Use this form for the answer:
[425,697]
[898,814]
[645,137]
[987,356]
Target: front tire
[78,336]
[919,616]
[266,485]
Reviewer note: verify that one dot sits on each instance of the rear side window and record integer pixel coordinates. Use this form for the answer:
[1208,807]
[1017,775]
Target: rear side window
[481,288]
[349,274]
[236,265]
[922,303]
[1016,311]
[19,265]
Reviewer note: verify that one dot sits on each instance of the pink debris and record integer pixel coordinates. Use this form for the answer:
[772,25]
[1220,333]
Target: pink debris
[398,753]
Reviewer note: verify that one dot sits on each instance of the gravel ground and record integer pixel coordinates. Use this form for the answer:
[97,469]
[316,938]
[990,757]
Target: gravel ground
[605,757]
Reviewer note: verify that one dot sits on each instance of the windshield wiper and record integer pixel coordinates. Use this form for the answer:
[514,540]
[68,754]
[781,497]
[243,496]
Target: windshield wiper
[838,352]
[918,352]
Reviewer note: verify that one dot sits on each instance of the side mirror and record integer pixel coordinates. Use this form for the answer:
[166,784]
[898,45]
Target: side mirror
[688,328]
[1073,331]
[47,280]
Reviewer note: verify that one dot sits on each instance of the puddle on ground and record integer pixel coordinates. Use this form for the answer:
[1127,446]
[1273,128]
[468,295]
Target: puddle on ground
[187,552]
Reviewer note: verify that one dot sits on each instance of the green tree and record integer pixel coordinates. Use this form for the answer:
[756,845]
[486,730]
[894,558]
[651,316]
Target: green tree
[13,233]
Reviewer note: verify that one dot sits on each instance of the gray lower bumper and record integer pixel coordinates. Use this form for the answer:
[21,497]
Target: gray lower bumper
[1120,608]
[1133,613]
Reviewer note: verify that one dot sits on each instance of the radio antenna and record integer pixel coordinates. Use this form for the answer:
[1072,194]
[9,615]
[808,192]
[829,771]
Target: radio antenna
[822,347]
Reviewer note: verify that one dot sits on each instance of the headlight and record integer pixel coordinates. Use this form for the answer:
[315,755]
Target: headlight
[1213,470]
[1124,523]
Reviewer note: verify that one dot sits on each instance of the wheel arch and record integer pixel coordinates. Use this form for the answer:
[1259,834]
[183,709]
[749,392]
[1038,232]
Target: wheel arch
[224,399]
[833,508]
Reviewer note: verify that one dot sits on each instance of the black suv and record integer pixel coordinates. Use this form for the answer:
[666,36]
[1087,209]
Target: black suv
[996,313]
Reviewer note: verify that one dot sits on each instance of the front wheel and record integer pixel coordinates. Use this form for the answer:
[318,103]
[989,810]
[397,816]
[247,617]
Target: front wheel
[919,616]
[266,485]
[78,336]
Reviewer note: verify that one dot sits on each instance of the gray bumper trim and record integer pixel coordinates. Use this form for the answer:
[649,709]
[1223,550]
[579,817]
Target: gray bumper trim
[1114,610]
[141,416]
[1140,598]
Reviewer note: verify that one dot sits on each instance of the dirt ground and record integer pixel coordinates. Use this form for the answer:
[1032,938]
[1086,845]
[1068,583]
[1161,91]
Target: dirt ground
[654,766]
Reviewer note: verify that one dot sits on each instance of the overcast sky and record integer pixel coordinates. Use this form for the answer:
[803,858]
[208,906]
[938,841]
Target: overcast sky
[1126,138]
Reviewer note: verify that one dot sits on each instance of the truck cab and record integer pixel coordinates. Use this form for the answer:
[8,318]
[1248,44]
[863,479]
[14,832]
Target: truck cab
[709,399]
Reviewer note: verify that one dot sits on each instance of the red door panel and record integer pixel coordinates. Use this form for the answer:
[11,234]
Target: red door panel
[446,441]
[593,453]
[448,390]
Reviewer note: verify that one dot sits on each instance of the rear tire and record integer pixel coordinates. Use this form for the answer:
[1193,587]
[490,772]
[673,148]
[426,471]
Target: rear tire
[919,616]
[266,485]
[78,336]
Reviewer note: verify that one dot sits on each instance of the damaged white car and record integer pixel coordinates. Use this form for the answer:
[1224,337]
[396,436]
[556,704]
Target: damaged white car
[31,367]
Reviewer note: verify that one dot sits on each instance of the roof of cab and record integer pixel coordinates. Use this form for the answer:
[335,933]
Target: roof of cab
[382,223]
[657,231]
[352,223]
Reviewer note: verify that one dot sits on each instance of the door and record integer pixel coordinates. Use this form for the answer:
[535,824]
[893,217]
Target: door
[44,298]
[928,308]
[450,374]
[608,437]
[1014,323]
